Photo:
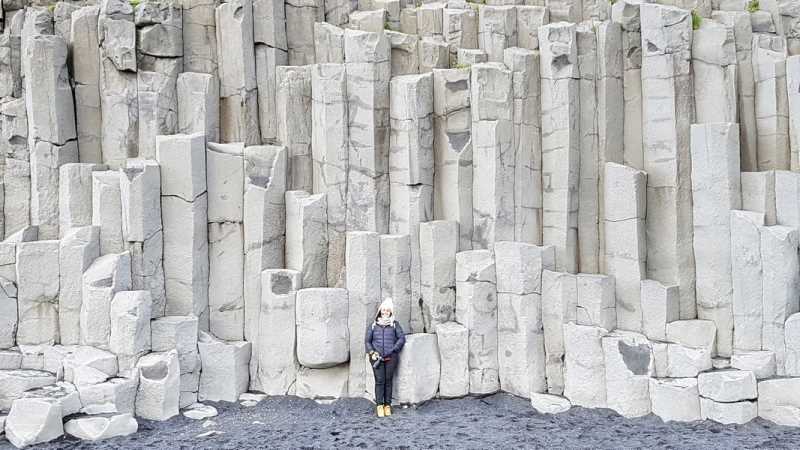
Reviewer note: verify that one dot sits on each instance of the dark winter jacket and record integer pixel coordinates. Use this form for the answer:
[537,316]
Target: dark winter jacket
[386,340]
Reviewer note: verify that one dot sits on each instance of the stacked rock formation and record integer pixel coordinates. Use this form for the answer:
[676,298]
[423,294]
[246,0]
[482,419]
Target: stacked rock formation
[580,202]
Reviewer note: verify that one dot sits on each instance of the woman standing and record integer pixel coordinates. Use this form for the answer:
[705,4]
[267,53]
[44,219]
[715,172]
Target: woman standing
[385,340]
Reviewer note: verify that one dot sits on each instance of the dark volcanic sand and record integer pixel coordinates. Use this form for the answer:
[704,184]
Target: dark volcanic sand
[498,421]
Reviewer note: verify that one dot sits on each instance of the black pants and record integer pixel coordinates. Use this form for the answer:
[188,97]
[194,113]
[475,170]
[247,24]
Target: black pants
[384,377]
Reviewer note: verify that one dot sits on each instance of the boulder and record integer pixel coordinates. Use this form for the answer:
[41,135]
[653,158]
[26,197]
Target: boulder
[225,372]
[158,393]
[330,383]
[727,413]
[14,382]
[33,421]
[322,333]
[549,404]
[89,365]
[177,333]
[728,385]
[117,395]
[761,363]
[199,411]
[660,306]
[130,327]
[681,361]
[65,394]
[452,339]
[675,399]
[418,372]
[276,338]
[97,428]
[779,401]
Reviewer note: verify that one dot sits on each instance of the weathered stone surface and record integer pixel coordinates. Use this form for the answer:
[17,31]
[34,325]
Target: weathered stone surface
[177,333]
[105,277]
[476,309]
[322,333]
[453,342]
[33,421]
[778,401]
[596,305]
[629,364]
[761,363]
[277,361]
[666,81]
[758,194]
[117,395]
[324,384]
[61,393]
[159,29]
[693,333]
[330,156]
[107,210]
[293,95]
[559,306]
[300,18]
[497,30]
[438,246]
[8,313]
[140,189]
[130,326]
[493,155]
[14,382]
[519,266]
[307,237]
[89,365]
[37,292]
[75,195]
[159,386]
[747,279]
[48,95]
[199,36]
[264,233]
[225,372]
[453,151]
[727,413]
[675,399]
[198,104]
[728,386]
[660,306]
[225,282]
[97,428]
[396,275]
[364,290]
[267,60]
[714,67]
[780,286]
[584,366]
[328,43]
[418,372]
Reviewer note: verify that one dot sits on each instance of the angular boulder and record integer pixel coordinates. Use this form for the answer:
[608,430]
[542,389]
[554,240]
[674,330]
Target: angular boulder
[98,428]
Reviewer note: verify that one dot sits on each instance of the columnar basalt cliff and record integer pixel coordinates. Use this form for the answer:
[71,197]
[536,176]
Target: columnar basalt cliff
[580,202]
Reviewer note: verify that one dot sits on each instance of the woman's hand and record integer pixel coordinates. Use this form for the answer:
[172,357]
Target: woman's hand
[373,356]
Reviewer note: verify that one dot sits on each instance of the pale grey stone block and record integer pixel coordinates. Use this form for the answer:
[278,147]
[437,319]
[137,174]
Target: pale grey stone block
[364,293]
[199,36]
[307,237]
[276,358]
[660,306]
[328,42]
[226,280]
[520,343]
[78,249]
[158,109]
[130,327]
[629,364]
[758,193]
[777,401]
[559,306]
[497,30]
[714,67]
[8,318]
[267,60]
[747,279]
[75,195]
[140,188]
[584,366]
[293,95]
[84,45]
[300,18]
[675,399]
[198,104]
[396,267]
[322,331]
[225,375]
[106,276]
[46,159]
[225,182]
[179,333]
[183,165]
[460,30]
[453,342]
[37,292]
[418,372]
[159,29]
[323,384]
[158,393]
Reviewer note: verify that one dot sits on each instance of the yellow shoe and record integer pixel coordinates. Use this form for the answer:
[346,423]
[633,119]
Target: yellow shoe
[380,411]
[387,410]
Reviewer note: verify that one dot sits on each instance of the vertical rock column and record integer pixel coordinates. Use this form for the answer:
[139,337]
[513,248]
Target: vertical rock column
[276,357]
[269,35]
[716,190]
[294,123]
[793,88]
[159,48]
[264,234]
[739,22]
[772,103]
[198,104]
[559,306]
[626,246]
[668,110]
[497,30]
[459,30]
[493,155]
[411,165]
[368,66]
[225,181]
[476,309]
[364,292]
[329,147]
[85,47]
[37,294]
[560,142]
[307,237]
[300,18]
[238,102]
[184,213]
[199,36]
[119,108]
[714,67]
[452,151]
[780,287]
[589,167]
[520,335]
[627,14]
[17,176]
[438,241]
[51,127]
[142,230]
[746,276]
[78,248]
[524,66]
[396,276]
